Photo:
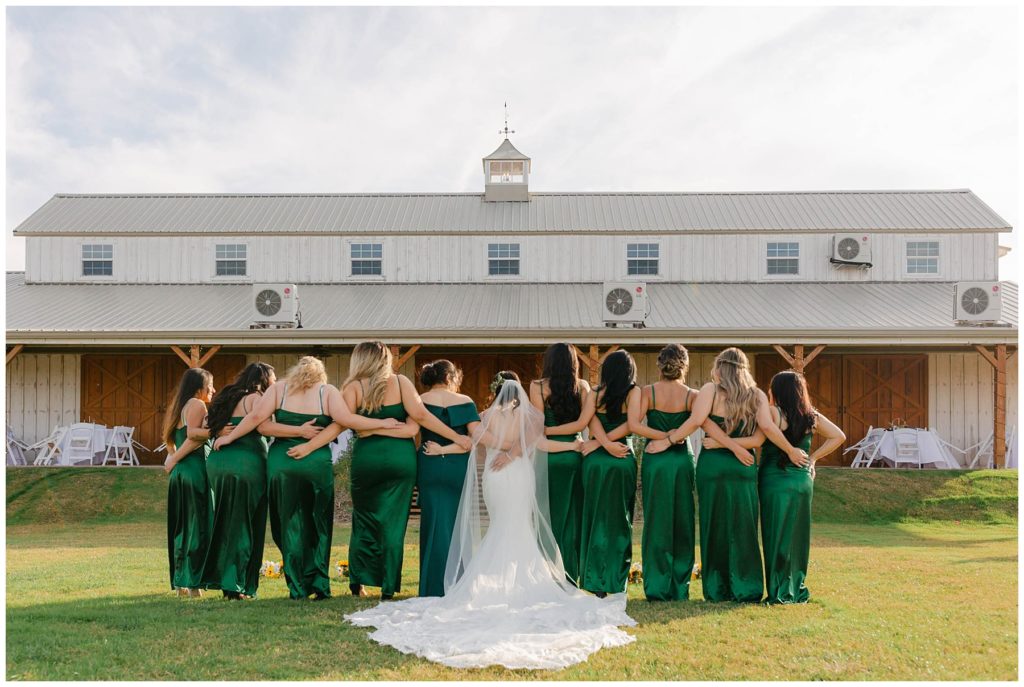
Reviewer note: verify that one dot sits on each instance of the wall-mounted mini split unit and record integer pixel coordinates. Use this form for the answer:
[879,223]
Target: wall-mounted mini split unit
[625,304]
[275,306]
[851,249]
[977,301]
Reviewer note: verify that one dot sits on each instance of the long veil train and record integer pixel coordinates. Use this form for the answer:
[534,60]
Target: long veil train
[507,601]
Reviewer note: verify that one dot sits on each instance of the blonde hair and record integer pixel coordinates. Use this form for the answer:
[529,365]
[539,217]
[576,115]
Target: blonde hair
[674,361]
[740,389]
[371,360]
[306,373]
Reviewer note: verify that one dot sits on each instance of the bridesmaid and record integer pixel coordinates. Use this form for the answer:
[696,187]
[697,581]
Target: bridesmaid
[188,495]
[384,467]
[666,479]
[568,407]
[609,483]
[441,470]
[301,486]
[726,478]
[238,479]
[785,487]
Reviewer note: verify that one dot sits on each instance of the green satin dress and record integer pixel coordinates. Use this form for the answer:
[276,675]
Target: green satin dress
[730,560]
[667,542]
[383,476]
[238,480]
[609,496]
[189,511]
[301,494]
[785,492]
[439,480]
[565,498]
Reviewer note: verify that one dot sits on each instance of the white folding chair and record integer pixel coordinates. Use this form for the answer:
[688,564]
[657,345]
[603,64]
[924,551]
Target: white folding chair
[961,461]
[866,448]
[49,447]
[15,449]
[1011,448]
[907,450]
[78,446]
[984,453]
[122,446]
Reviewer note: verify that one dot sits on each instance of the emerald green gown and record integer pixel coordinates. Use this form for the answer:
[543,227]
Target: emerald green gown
[383,476]
[189,507]
[238,479]
[785,492]
[301,494]
[730,560]
[565,498]
[667,542]
[439,480]
[609,496]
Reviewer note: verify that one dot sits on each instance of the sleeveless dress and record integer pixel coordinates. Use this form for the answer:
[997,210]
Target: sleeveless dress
[785,492]
[189,506]
[238,480]
[301,494]
[383,475]
[609,496]
[439,480]
[667,542]
[565,497]
[730,561]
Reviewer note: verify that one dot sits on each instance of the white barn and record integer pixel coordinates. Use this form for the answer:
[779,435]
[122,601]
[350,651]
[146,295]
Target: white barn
[120,292]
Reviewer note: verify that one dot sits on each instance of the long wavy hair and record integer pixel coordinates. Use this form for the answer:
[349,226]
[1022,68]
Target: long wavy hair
[618,376]
[370,361]
[789,391]
[674,362]
[740,389]
[306,373]
[255,378]
[440,372]
[562,371]
[192,382]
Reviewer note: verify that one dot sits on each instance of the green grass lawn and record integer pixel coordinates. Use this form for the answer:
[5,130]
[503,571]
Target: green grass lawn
[913,576]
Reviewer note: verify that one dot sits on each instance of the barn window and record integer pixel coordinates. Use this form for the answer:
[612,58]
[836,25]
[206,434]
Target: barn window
[642,258]
[783,257]
[367,259]
[231,259]
[98,260]
[922,257]
[507,172]
[502,258]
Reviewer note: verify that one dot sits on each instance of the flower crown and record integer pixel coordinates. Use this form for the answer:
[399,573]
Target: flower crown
[496,383]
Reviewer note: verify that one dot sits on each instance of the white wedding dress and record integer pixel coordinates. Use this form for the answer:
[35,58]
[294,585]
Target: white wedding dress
[507,600]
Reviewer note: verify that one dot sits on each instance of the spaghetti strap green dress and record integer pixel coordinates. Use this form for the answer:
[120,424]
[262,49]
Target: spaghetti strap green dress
[439,480]
[189,507]
[565,498]
[609,497]
[238,479]
[730,560]
[383,475]
[785,491]
[301,494]
[667,542]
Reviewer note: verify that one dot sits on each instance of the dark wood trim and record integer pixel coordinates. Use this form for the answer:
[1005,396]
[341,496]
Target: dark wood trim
[14,351]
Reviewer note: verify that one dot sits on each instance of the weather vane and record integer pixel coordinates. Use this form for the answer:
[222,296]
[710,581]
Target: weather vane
[506,130]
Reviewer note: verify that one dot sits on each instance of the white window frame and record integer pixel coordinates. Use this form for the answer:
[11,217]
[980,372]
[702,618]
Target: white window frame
[800,255]
[232,277]
[82,260]
[905,259]
[518,259]
[641,277]
[350,244]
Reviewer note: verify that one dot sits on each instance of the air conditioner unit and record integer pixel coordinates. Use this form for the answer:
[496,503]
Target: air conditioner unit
[851,249]
[977,301]
[275,306]
[625,303]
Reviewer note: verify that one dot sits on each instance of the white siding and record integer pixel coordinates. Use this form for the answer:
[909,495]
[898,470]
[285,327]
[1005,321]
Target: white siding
[961,396]
[43,390]
[449,258]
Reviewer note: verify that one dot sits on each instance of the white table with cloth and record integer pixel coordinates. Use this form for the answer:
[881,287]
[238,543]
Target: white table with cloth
[933,453]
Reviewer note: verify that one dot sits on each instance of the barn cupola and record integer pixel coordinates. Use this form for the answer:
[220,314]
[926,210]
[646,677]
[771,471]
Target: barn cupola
[506,172]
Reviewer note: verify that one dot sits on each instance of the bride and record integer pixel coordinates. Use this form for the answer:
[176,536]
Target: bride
[507,601]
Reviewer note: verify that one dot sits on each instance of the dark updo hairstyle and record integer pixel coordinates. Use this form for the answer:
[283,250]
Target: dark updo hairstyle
[440,372]
[789,391]
[255,378]
[499,381]
[674,362]
[192,382]
[562,371]
[618,376]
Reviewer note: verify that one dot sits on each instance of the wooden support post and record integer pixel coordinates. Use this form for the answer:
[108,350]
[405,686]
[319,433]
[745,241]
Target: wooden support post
[14,352]
[998,361]
[194,355]
[404,358]
[798,361]
[181,354]
[209,354]
[593,360]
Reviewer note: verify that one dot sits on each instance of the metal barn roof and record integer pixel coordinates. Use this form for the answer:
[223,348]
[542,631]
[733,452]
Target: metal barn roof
[241,214]
[869,313]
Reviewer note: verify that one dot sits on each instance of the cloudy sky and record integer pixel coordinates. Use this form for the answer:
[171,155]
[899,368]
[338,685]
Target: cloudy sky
[410,99]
